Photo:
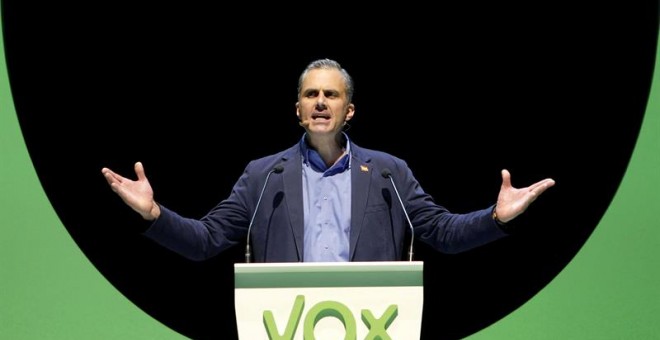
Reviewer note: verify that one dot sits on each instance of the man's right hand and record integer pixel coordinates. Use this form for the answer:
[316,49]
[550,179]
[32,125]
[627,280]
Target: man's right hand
[136,194]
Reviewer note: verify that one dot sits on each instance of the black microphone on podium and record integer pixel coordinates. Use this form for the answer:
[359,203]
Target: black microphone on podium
[276,169]
[388,174]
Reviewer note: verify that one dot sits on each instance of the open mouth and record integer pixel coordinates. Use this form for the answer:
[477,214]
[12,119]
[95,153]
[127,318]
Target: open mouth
[320,116]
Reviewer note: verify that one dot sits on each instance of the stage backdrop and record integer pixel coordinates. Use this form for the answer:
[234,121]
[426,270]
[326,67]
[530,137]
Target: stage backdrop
[49,288]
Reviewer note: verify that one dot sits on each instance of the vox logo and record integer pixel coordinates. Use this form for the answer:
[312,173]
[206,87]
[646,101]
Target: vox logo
[377,326]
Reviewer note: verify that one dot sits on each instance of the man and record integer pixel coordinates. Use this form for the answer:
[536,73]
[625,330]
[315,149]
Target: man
[325,198]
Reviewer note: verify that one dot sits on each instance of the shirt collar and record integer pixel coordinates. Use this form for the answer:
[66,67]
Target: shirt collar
[312,158]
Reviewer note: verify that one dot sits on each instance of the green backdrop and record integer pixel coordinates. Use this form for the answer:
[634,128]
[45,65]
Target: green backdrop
[50,290]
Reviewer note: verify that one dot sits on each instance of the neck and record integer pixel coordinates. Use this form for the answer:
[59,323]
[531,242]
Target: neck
[331,149]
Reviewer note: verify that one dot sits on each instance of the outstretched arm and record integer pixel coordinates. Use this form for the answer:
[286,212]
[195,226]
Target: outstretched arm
[136,194]
[512,202]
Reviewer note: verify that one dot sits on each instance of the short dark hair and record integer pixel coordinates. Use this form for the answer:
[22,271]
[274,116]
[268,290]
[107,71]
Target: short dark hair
[328,64]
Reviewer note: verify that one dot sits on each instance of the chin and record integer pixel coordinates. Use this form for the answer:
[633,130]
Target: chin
[322,131]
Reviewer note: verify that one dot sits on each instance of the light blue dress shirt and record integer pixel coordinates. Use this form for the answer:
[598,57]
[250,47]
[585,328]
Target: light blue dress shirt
[327,206]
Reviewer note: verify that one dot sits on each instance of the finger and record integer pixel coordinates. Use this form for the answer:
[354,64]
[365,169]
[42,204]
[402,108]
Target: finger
[541,186]
[546,184]
[106,171]
[115,187]
[111,176]
[538,189]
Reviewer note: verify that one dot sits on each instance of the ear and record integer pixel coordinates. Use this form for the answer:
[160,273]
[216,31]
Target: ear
[298,110]
[350,111]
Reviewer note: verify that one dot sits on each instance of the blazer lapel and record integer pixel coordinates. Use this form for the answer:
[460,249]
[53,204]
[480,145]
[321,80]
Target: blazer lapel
[292,176]
[361,173]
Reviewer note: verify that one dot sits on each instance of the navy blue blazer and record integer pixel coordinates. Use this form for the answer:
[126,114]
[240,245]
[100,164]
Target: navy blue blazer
[378,224]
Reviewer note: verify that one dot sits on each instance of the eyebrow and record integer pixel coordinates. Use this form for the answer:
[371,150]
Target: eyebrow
[326,92]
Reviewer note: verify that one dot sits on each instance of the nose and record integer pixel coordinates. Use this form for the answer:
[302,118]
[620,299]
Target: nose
[320,102]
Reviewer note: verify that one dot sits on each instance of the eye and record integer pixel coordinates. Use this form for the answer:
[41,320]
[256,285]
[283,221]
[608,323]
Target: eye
[311,93]
[331,94]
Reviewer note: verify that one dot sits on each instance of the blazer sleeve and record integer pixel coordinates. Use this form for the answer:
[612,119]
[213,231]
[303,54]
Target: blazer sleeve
[436,226]
[200,239]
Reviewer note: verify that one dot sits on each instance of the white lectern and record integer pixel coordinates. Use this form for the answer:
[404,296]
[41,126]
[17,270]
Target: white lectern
[334,300]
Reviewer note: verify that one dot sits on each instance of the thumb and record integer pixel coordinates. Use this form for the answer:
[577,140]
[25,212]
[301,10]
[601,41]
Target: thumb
[506,178]
[139,171]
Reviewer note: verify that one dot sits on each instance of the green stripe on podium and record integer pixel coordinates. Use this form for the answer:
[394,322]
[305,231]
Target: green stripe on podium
[311,275]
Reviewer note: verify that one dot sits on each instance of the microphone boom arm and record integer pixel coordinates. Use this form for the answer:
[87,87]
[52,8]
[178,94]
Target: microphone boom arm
[248,255]
[387,174]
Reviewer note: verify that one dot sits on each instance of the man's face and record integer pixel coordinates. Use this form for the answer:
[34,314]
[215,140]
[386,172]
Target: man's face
[323,106]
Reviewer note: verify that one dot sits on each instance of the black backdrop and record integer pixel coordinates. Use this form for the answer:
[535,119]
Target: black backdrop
[459,91]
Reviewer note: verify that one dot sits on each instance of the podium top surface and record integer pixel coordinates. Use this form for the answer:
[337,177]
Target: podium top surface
[328,274]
